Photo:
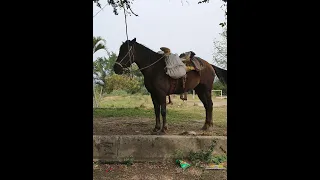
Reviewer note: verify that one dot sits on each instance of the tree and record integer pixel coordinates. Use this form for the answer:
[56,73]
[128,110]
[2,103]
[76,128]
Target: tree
[110,62]
[217,85]
[98,44]
[220,46]
[119,4]
[98,70]
[220,50]
[103,67]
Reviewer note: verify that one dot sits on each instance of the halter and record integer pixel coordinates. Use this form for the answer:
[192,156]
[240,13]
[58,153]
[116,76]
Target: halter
[130,52]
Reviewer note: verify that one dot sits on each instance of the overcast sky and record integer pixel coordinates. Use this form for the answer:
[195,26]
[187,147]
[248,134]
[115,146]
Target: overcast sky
[163,23]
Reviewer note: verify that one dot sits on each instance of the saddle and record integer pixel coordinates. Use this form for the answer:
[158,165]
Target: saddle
[191,62]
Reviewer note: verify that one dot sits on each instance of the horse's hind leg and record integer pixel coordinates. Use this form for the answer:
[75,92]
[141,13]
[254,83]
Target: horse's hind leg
[183,96]
[170,102]
[205,96]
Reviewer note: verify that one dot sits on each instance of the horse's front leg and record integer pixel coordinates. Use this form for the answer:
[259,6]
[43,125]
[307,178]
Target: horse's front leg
[156,106]
[163,109]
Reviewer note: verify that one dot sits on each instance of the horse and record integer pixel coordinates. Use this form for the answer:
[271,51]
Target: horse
[159,84]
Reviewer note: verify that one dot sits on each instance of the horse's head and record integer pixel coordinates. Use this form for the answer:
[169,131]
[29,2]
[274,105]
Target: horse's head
[125,57]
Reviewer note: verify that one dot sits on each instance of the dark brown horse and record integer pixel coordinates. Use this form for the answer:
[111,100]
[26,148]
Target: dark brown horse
[159,84]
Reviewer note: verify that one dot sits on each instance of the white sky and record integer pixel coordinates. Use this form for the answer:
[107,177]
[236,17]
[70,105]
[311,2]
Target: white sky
[163,23]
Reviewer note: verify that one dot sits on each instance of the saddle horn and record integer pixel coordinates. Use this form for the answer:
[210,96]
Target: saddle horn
[192,54]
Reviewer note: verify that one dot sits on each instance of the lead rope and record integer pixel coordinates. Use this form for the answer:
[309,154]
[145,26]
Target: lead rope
[130,48]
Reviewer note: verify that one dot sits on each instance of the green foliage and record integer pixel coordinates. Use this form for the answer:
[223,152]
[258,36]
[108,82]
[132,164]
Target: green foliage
[220,50]
[128,161]
[144,90]
[110,62]
[118,4]
[121,82]
[103,66]
[135,71]
[218,159]
[126,4]
[207,156]
[99,67]
[203,156]
[178,154]
[217,85]
[98,44]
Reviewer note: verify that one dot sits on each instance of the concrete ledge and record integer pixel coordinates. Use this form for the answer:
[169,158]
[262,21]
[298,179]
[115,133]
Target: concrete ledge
[151,147]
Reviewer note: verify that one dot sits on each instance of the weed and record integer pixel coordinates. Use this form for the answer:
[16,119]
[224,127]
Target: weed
[206,156]
[128,161]
[178,154]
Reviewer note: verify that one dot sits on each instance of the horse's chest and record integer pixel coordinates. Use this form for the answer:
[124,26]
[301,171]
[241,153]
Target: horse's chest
[159,83]
[148,85]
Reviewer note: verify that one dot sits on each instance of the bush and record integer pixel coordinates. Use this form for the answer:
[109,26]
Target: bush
[144,91]
[124,83]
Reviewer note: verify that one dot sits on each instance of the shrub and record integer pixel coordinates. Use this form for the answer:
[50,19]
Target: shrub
[120,82]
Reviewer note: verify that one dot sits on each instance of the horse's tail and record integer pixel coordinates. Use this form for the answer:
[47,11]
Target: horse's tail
[222,74]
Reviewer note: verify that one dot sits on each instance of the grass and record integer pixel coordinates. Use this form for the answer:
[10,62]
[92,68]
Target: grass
[141,106]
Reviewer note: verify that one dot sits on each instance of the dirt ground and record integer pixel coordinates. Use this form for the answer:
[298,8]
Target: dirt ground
[144,126]
[154,171]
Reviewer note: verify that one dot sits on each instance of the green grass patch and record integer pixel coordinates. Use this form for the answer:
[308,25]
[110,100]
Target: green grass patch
[141,106]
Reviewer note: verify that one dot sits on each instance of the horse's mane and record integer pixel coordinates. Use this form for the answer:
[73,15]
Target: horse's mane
[141,45]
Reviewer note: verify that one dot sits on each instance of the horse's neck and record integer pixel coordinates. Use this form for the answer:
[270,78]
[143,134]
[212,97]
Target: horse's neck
[145,59]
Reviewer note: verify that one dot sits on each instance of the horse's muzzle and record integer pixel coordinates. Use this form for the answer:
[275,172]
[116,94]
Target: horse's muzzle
[118,68]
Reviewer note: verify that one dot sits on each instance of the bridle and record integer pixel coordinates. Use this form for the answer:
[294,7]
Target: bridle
[131,53]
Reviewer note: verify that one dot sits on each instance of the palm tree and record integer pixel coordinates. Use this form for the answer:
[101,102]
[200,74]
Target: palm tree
[98,44]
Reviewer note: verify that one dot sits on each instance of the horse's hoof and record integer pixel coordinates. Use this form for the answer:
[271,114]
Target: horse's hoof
[163,132]
[155,129]
[207,127]
[165,128]
[155,133]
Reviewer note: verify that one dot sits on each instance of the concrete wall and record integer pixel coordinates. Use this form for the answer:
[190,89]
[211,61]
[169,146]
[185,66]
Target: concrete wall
[151,147]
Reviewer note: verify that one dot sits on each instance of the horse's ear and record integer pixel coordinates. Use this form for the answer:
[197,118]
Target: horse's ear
[133,41]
